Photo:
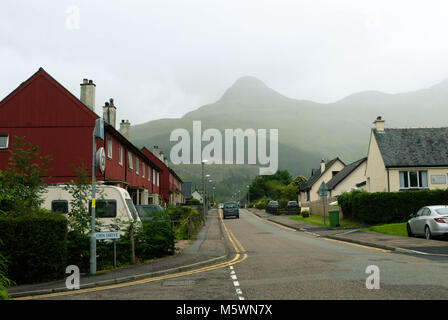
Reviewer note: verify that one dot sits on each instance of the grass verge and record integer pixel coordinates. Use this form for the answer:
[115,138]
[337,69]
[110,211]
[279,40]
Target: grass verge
[319,221]
[396,229]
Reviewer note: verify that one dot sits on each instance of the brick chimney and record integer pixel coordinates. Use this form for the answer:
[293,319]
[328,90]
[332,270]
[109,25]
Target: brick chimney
[110,112]
[125,128]
[88,93]
[322,166]
[379,123]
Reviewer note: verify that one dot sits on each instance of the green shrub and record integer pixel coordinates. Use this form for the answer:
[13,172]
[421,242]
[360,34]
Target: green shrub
[385,207]
[305,213]
[282,203]
[345,201]
[35,246]
[194,201]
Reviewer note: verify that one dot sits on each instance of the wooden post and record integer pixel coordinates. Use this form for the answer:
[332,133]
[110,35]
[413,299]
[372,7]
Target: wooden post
[132,245]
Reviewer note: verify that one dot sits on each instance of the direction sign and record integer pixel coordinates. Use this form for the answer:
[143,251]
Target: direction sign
[323,190]
[107,235]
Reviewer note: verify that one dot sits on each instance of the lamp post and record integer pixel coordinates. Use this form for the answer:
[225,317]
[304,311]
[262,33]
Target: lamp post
[203,161]
[248,196]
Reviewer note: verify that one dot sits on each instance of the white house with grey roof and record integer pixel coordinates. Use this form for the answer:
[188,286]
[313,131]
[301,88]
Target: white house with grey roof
[327,170]
[349,178]
[406,159]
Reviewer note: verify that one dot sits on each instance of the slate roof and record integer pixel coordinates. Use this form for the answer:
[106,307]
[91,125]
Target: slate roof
[341,175]
[413,147]
[316,174]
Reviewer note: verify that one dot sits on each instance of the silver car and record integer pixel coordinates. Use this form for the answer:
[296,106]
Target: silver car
[429,221]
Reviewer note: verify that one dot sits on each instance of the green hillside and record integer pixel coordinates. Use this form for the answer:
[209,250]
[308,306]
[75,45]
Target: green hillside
[308,131]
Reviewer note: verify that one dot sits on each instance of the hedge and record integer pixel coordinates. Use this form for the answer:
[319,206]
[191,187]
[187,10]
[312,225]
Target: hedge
[35,247]
[385,207]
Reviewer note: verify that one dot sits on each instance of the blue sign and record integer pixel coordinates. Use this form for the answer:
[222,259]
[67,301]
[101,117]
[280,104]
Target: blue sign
[107,235]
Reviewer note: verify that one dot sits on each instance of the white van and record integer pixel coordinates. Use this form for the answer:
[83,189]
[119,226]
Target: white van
[116,204]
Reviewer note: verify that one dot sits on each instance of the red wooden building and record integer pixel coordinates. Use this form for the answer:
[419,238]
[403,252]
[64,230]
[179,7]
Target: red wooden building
[170,182]
[49,116]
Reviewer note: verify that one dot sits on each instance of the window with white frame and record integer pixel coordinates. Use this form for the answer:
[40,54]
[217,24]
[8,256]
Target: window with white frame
[4,141]
[131,166]
[109,148]
[143,169]
[158,178]
[153,176]
[137,165]
[149,173]
[413,179]
[120,154]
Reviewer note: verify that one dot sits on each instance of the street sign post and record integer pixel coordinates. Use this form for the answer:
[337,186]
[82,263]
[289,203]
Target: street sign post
[98,132]
[323,192]
[109,235]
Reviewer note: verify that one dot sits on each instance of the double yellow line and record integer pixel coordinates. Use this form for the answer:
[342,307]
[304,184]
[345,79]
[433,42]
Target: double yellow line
[239,257]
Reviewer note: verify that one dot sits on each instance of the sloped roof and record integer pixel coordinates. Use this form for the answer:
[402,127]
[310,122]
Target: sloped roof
[413,147]
[316,174]
[341,175]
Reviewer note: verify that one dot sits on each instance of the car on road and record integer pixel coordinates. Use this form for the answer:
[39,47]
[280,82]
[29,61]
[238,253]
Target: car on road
[429,221]
[230,209]
[272,207]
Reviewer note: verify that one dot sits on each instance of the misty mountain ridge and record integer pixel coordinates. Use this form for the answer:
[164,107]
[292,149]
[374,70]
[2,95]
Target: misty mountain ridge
[308,131]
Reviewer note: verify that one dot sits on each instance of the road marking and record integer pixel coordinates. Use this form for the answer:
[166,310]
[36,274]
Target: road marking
[356,245]
[273,223]
[237,259]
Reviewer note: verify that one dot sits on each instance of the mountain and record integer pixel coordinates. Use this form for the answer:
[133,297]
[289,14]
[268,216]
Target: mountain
[308,131]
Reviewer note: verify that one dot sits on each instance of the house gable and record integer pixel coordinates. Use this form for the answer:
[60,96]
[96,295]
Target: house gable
[41,101]
[376,174]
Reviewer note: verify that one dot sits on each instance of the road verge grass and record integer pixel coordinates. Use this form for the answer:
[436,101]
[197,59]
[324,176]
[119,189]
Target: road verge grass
[395,229]
[319,221]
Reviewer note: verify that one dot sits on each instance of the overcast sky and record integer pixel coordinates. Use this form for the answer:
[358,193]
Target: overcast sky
[164,58]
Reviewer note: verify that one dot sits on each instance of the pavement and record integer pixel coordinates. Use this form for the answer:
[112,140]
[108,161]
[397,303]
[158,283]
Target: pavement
[209,247]
[408,245]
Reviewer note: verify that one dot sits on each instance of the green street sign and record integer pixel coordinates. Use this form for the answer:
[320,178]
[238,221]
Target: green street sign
[323,190]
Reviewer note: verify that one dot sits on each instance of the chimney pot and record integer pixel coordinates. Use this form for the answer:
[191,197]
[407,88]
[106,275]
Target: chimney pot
[322,166]
[87,95]
[125,129]
[379,123]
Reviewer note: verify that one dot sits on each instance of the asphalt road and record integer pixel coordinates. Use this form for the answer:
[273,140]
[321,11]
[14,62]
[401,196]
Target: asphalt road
[276,263]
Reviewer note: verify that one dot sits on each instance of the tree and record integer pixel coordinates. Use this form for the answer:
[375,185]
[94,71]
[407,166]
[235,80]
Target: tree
[289,192]
[79,189]
[299,180]
[21,184]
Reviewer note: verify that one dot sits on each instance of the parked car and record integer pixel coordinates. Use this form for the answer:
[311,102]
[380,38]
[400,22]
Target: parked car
[146,211]
[292,205]
[429,221]
[272,207]
[230,209]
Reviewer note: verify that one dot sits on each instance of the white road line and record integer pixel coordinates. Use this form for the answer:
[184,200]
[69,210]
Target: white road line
[236,283]
[233,277]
